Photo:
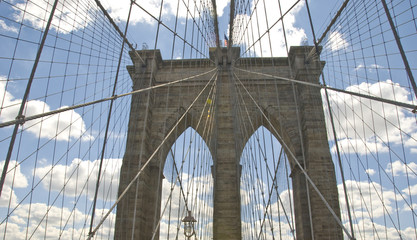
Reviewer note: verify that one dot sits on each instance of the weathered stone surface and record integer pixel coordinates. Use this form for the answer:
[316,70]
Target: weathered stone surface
[154,113]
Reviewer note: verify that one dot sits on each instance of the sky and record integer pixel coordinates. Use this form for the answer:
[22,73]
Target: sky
[377,141]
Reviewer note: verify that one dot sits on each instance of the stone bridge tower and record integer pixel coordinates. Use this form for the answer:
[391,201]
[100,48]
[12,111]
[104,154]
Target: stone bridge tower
[152,117]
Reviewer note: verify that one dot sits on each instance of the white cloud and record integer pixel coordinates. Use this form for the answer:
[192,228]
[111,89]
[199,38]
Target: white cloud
[244,196]
[191,185]
[64,126]
[365,199]
[278,214]
[398,168]
[14,178]
[371,68]
[221,5]
[70,15]
[119,10]
[170,8]
[200,206]
[47,222]
[367,229]
[370,171]
[366,204]
[4,26]
[284,205]
[17,225]
[55,217]
[251,230]
[369,203]
[8,196]
[336,41]
[361,146]
[294,35]
[38,211]
[364,125]
[79,178]
[409,208]
[359,67]
[169,231]
[413,190]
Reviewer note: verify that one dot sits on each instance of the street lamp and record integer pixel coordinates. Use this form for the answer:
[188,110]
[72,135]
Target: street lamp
[189,225]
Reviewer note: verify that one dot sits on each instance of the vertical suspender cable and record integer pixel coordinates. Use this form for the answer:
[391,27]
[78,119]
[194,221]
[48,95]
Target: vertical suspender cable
[231,20]
[297,111]
[90,233]
[25,97]
[333,127]
[117,29]
[146,117]
[216,23]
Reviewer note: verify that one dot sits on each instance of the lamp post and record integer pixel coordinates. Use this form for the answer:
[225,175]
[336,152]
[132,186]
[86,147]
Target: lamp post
[189,225]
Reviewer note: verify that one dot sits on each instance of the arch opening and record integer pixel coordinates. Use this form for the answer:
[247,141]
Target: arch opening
[266,189]
[187,186]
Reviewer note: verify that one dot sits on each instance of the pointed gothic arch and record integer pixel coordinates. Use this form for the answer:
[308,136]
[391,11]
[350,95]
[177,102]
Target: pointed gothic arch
[294,113]
[266,212]
[187,170]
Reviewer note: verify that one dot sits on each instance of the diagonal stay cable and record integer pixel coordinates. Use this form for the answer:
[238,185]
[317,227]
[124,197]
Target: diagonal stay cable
[109,118]
[269,29]
[400,47]
[384,100]
[24,119]
[169,29]
[263,154]
[333,21]
[375,187]
[274,185]
[268,169]
[379,164]
[117,29]
[151,157]
[178,179]
[195,22]
[26,95]
[255,5]
[193,137]
[216,24]
[297,162]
